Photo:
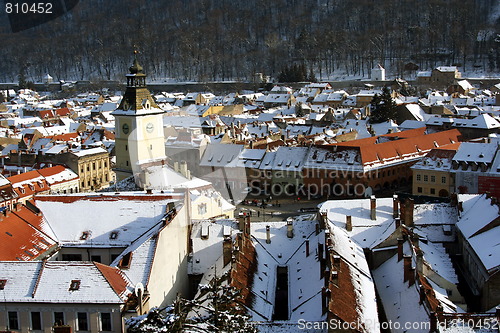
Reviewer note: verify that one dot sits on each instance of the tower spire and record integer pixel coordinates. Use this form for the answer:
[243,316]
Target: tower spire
[136,68]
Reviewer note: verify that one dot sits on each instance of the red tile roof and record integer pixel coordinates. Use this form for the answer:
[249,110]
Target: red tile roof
[372,152]
[62,112]
[64,137]
[115,278]
[22,236]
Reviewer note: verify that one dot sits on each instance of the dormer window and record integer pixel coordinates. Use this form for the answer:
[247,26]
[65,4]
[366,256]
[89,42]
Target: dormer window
[113,235]
[74,285]
[125,261]
[85,235]
[2,284]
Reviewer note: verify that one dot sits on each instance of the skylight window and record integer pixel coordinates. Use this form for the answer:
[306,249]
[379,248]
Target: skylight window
[85,235]
[74,285]
[113,235]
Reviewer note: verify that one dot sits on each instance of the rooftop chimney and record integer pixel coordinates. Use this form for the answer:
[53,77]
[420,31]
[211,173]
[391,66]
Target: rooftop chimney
[400,248]
[268,234]
[420,261]
[227,250]
[373,208]
[397,222]
[348,222]
[409,205]
[395,206]
[247,225]
[289,227]
[407,268]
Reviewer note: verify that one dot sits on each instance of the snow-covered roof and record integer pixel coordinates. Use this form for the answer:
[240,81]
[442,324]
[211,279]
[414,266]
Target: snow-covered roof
[476,152]
[207,238]
[63,282]
[221,155]
[304,276]
[478,224]
[90,151]
[90,221]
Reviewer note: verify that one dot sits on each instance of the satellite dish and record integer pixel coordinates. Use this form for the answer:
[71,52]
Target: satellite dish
[139,289]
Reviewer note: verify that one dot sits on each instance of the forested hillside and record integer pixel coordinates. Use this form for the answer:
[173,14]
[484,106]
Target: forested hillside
[232,39]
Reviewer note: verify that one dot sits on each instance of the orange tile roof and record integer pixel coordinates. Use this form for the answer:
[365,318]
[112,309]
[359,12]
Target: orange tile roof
[47,172]
[24,176]
[405,147]
[64,137]
[115,278]
[22,236]
[62,112]
[46,114]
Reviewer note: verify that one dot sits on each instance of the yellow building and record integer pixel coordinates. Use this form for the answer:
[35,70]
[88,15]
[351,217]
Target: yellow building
[139,133]
[432,175]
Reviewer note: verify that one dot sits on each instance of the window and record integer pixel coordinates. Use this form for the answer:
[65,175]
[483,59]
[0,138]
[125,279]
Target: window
[443,180]
[105,164]
[13,320]
[106,321]
[419,177]
[126,148]
[2,284]
[74,285]
[202,208]
[71,257]
[426,178]
[88,167]
[93,165]
[433,179]
[419,189]
[82,321]
[58,318]
[433,191]
[95,258]
[36,321]
[125,261]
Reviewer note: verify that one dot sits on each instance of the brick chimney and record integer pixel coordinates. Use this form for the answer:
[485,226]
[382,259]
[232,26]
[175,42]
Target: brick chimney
[407,268]
[411,277]
[241,221]
[373,208]
[227,251]
[395,206]
[400,248]
[247,225]
[348,222]
[268,234]
[409,206]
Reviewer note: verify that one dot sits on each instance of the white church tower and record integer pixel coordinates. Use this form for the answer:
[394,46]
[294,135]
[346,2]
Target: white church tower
[378,73]
[139,136]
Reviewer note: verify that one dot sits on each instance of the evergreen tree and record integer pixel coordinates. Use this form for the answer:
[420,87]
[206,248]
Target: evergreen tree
[383,107]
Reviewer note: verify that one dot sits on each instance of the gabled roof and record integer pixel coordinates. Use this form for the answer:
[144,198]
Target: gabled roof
[479,225]
[63,282]
[138,213]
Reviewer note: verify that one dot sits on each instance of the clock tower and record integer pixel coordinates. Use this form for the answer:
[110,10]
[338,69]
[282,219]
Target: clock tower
[139,134]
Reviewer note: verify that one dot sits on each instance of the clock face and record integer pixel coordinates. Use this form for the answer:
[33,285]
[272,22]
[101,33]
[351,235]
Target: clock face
[150,127]
[125,128]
